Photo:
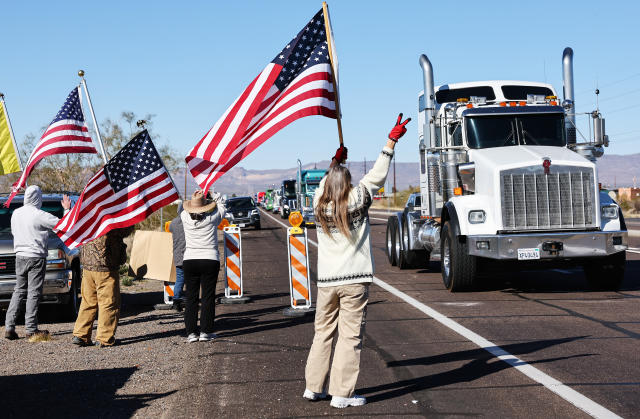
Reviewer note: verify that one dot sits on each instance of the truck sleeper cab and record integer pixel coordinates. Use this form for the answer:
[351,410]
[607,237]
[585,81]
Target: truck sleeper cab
[503,178]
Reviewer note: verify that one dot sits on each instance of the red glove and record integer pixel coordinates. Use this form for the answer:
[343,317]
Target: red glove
[399,130]
[341,154]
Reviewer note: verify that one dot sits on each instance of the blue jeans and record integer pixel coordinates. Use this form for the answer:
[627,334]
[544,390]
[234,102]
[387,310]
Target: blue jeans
[177,288]
[29,283]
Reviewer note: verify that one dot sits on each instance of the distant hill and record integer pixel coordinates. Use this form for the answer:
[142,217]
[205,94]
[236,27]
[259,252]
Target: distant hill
[618,170]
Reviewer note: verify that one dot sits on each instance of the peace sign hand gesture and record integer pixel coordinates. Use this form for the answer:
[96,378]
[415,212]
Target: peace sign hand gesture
[399,130]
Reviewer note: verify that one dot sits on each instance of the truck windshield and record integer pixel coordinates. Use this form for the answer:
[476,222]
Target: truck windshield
[311,187]
[509,130]
[54,208]
[240,203]
[290,189]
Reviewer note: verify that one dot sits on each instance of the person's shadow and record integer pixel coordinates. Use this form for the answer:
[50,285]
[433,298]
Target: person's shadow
[479,366]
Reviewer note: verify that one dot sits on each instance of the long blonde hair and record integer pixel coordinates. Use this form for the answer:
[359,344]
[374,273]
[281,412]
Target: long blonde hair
[336,193]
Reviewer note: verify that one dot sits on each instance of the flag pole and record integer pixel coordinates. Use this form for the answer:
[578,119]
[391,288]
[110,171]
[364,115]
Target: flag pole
[13,139]
[327,30]
[93,115]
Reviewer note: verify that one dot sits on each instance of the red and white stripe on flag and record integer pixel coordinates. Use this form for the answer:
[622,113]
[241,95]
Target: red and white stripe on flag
[67,133]
[297,83]
[100,209]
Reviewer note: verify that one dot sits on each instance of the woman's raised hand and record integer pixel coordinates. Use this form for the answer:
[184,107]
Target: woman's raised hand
[399,130]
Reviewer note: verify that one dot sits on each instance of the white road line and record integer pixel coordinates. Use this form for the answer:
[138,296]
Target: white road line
[379,219]
[633,251]
[577,399]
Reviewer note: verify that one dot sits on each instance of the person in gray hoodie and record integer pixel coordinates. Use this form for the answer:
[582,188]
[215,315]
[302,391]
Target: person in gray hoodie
[30,227]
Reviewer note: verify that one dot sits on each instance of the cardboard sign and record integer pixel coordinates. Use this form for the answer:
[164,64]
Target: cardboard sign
[152,256]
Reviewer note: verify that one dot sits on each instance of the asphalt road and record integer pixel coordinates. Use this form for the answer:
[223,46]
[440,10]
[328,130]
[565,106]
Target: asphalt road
[413,365]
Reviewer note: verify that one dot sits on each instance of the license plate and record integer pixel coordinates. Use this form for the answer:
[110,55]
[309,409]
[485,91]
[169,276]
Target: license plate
[243,224]
[529,253]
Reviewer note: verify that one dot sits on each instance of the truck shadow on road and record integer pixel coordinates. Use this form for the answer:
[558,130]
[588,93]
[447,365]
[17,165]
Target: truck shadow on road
[90,393]
[481,364]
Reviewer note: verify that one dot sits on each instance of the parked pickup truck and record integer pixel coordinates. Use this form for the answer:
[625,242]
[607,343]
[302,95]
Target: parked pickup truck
[64,274]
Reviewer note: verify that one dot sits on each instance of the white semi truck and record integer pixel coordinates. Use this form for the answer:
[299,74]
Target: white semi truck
[504,182]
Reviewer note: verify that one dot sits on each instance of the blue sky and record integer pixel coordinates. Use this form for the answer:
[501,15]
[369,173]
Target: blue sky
[186,62]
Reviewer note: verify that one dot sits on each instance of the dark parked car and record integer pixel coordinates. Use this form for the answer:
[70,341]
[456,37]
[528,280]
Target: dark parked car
[243,212]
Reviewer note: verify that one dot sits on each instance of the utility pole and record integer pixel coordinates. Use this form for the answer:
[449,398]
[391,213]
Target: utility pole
[365,166]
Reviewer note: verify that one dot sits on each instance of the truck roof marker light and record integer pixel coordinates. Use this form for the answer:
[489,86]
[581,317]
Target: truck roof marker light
[523,103]
[503,104]
[513,104]
[551,97]
[553,103]
[469,105]
[457,191]
[462,100]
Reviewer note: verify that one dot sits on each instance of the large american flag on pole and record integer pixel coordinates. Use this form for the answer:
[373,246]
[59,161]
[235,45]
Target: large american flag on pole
[129,188]
[296,83]
[67,133]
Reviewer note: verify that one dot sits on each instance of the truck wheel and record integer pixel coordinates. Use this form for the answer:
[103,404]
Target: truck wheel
[458,267]
[73,305]
[397,246]
[607,273]
[407,258]
[390,242]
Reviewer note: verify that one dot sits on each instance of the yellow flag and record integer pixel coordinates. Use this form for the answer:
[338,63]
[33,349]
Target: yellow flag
[8,153]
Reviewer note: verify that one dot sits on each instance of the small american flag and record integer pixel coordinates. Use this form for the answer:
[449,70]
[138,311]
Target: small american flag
[296,83]
[129,188]
[67,133]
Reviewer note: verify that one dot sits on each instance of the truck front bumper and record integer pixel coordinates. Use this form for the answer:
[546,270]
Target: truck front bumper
[572,244]
[56,283]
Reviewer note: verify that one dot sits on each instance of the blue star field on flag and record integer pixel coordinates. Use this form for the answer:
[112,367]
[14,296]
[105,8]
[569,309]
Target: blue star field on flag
[70,109]
[138,159]
[305,50]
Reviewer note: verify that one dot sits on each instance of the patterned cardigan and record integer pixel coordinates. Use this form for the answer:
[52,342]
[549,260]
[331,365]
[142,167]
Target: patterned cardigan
[349,260]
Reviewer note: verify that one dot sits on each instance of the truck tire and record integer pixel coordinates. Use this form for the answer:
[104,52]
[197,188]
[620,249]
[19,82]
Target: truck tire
[73,305]
[390,241]
[407,258]
[397,245]
[459,269]
[607,273]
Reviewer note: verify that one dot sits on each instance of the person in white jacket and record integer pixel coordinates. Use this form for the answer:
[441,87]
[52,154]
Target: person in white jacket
[345,270]
[30,227]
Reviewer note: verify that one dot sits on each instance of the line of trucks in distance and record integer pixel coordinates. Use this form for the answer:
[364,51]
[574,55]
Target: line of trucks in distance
[507,182]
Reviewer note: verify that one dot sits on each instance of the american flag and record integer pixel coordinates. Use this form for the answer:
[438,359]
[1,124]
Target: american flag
[67,133]
[296,83]
[129,188]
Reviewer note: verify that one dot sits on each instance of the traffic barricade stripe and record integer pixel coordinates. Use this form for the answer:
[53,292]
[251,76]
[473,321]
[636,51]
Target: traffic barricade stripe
[299,275]
[233,262]
[297,244]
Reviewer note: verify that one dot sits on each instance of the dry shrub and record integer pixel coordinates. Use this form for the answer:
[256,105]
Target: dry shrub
[39,337]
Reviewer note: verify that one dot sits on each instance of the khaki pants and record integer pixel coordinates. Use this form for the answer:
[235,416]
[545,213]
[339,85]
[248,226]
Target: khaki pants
[344,307]
[101,299]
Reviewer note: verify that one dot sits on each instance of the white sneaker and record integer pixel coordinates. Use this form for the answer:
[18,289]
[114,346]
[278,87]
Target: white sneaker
[192,338]
[342,402]
[206,337]
[313,396]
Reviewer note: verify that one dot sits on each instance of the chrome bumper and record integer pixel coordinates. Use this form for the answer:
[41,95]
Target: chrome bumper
[55,282]
[574,244]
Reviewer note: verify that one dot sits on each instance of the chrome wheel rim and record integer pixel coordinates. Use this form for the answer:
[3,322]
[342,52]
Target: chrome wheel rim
[446,258]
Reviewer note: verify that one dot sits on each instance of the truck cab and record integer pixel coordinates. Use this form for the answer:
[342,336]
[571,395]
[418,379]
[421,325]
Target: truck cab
[503,177]
[308,180]
[288,198]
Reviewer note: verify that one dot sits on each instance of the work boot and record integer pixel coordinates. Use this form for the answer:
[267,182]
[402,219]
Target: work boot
[80,342]
[10,334]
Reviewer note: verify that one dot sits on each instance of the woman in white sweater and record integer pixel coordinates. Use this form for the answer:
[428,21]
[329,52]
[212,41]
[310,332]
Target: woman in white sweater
[345,270]
[201,262]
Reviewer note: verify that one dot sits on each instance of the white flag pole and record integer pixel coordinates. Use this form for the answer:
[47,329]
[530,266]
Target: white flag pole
[93,115]
[13,139]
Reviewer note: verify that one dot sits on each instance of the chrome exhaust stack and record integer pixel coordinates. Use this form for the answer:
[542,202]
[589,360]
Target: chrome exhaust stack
[568,95]
[429,130]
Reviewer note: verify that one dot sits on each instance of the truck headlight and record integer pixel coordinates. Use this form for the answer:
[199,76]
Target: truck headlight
[609,211]
[477,216]
[56,259]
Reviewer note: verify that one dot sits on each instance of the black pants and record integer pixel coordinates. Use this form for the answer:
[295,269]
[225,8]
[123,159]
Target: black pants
[200,273]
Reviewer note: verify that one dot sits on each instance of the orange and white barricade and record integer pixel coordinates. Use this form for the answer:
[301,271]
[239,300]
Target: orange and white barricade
[299,273]
[233,290]
[168,292]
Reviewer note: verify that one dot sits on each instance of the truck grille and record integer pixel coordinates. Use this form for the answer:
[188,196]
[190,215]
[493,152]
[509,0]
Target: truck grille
[7,265]
[563,199]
